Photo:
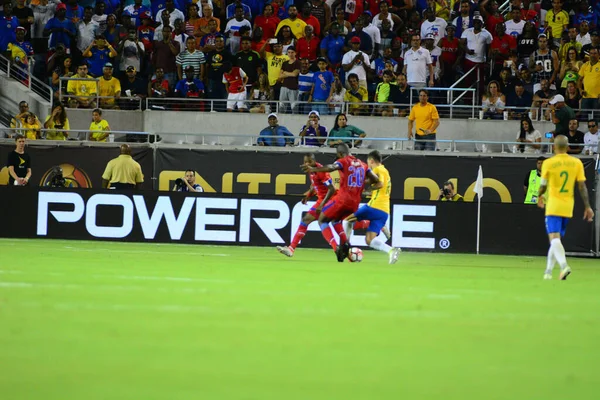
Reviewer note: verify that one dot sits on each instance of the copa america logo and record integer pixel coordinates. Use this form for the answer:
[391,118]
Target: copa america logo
[74,177]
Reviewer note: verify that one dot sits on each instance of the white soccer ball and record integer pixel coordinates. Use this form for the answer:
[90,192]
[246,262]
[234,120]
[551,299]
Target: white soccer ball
[355,255]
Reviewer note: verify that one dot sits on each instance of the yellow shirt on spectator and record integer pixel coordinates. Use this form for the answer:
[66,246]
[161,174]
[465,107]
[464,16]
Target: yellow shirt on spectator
[356,98]
[17,52]
[557,22]
[82,88]
[57,133]
[98,129]
[591,79]
[31,131]
[108,88]
[296,26]
[423,115]
[274,64]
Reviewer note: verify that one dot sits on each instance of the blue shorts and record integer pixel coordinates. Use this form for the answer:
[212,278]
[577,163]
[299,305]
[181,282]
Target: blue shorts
[377,217]
[556,224]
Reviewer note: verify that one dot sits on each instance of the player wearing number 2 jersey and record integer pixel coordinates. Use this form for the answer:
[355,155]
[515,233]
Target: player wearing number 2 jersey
[320,185]
[346,200]
[559,176]
[377,211]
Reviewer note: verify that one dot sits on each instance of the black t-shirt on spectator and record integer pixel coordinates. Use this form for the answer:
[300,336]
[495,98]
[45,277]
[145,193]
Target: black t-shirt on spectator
[525,100]
[399,97]
[215,60]
[24,13]
[575,139]
[249,62]
[20,162]
[526,46]
[138,86]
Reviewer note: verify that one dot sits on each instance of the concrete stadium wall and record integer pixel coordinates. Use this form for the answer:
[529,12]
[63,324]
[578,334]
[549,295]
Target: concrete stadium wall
[13,92]
[131,121]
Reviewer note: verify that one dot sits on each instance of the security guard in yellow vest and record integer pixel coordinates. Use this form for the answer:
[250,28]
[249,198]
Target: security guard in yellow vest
[532,182]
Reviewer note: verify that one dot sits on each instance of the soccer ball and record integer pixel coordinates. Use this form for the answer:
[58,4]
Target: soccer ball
[355,255]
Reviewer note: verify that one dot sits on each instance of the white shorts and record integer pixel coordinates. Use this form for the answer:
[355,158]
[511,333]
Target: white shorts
[239,98]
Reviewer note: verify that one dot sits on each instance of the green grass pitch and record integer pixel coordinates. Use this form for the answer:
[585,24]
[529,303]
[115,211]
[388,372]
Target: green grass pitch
[96,320]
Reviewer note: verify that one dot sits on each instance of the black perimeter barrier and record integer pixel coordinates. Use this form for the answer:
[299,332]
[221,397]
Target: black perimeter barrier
[268,220]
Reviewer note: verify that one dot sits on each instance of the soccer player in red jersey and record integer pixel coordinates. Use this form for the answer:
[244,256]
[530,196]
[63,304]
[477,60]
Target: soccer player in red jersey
[321,185]
[353,173]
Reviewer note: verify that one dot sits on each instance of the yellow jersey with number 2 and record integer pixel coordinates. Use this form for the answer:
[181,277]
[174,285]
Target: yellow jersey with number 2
[380,198]
[561,173]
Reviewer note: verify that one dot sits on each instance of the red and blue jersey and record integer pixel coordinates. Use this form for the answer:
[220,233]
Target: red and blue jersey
[320,182]
[352,178]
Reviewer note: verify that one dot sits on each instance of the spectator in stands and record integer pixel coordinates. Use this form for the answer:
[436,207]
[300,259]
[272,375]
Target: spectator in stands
[249,60]
[99,128]
[569,41]
[387,36]
[382,95]
[436,53]
[400,94]
[192,22]
[308,46]
[569,68]
[109,88]
[289,81]
[132,52]
[561,114]
[87,30]
[305,84]
[357,62]
[293,22]
[275,61]
[378,64]
[18,120]
[418,64]
[464,20]
[585,14]
[519,98]
[281,135]
[230,10]
[24,15]
[8,26]
[207,43]
[527,42]
[500,48]
[165,20]
[573,96]
[373,33]
[591,138]
[585,50]
[474,42]
[365,42]
[158,86]
[340,19]
[57,124]
[349,133]
[98,53]
[146,32]
[322,89]
[493,102]
[451,57]
[267,21]
[589,81]
[207,16]
[433,25]
[215,60]
[19,164]
[337,96]
[165,56]
[332,46]
[63,71]
[233,29]
[427,119]
[192,57]
[322,12]
[174,13]
[60,29]
[506,81]
[526,78]
[542,97]
[82,92]
[43,11]
[179,35]
[356,96]
[556,22]
[515,25]
[135,12]
[113,30]
[190,86]
[313,130]
[583,37]
[23,44]
[134,89]
[576,137]
[100,16]
[123,172]
[530,137]
[306,16]
[32,127]
[286,38]
[261,92]
[386,15]
[235,80]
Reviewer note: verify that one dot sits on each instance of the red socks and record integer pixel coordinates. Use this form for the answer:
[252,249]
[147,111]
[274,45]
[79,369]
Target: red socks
[299,235]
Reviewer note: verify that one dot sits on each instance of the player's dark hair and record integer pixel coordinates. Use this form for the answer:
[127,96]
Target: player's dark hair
[353,76]
[97,110]
[375,155]
[310,155]
[424,91]
[541,158]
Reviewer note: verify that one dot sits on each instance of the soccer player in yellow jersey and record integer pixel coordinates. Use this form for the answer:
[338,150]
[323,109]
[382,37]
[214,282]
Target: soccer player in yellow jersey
[559,175]
[378,209]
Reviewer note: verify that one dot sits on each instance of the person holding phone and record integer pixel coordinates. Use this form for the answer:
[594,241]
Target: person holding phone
[57,123]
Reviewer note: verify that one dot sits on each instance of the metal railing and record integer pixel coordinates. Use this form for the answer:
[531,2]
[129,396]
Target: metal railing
[82,135]
[130,103]
[26,77]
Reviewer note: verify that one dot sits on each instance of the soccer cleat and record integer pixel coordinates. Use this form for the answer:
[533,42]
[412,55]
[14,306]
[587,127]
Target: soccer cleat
[285,250]
[387,233]
[342,251]
[394,255]
[547,277]
[564,273]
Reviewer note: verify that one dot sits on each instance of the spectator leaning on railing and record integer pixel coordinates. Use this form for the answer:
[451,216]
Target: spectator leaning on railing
[57,124]
[427,119]
[17,120]
[281,135]
[109,88]
[591,138]
[82,89]
[530,137]
[341,129]
[561,115]
[32,126]
[576,137]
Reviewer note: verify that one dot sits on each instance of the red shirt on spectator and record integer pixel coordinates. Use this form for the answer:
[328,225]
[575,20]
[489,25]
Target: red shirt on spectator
[504,44]
[268,25]
[308,48]
[449,50]
[256,46]
[491,23]
[312,21]
[235,79]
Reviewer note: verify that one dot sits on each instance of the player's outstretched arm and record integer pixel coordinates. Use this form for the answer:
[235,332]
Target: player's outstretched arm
[374,180]
[588,213]
[325,168]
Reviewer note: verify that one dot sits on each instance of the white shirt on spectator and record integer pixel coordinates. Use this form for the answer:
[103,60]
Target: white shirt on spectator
[591,143]
[436,54]
[514,28]
[101,21]
[585,39]
[374,32]
[416,62]
[233,30]
[358,69]
[477,42]
[532,137]
[41,15]
[437,28]
[86,33]
[175,15]
[131,55]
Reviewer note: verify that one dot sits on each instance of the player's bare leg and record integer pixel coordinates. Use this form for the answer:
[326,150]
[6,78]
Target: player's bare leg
[298,236]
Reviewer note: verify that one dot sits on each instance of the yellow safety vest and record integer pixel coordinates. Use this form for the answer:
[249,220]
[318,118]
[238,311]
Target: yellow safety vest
[533,188]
